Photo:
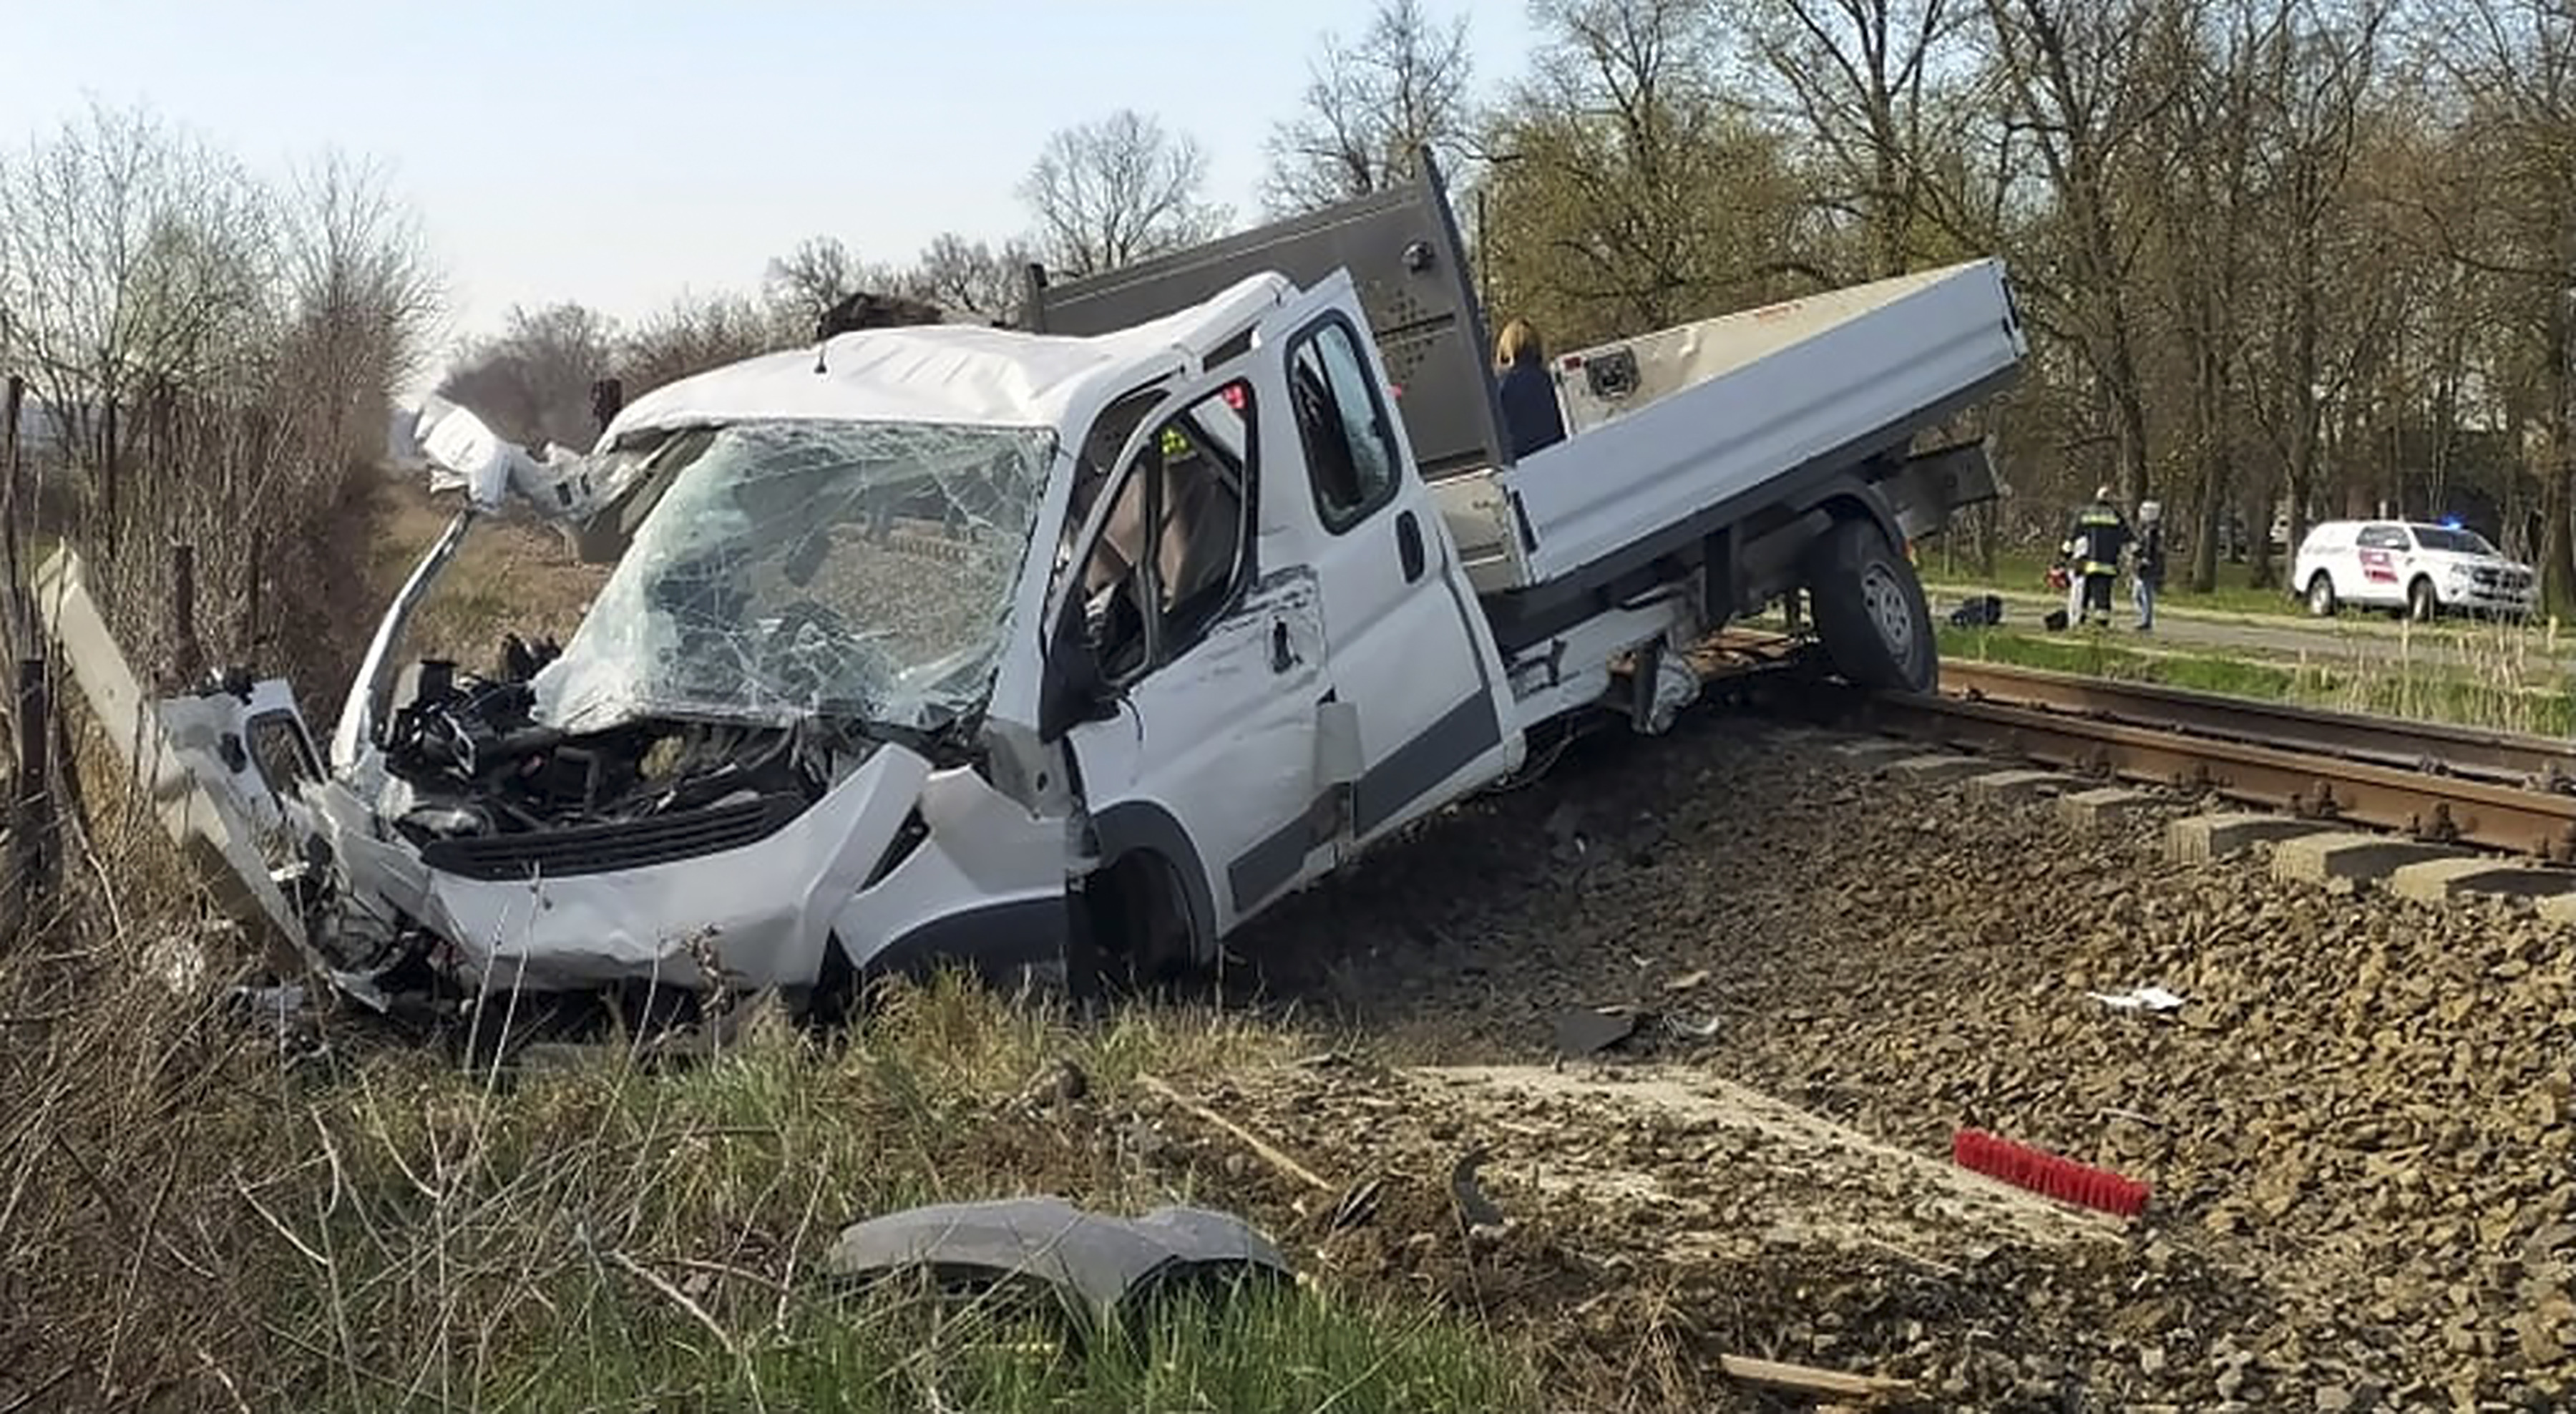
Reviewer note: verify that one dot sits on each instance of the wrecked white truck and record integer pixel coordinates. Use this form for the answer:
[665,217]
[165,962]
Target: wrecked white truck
[1070,648]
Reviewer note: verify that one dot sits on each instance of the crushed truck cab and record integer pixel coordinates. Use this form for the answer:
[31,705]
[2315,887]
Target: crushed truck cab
[1054,651]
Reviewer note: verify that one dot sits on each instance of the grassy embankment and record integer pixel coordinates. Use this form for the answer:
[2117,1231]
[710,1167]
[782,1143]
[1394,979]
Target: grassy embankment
[198,1216]
[2498,677]
[1952,569]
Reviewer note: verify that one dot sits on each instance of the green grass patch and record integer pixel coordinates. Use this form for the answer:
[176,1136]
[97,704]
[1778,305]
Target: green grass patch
[2026,572]
[1260,1351]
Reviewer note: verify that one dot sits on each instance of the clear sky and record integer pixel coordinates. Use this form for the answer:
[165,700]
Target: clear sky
[619,154]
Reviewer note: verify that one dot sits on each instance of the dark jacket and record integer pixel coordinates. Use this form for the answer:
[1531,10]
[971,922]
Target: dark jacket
[2151,556]
[1530,416]
[2105,535]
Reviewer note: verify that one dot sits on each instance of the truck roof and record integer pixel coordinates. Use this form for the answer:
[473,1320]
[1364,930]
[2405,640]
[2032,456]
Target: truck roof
[951,373]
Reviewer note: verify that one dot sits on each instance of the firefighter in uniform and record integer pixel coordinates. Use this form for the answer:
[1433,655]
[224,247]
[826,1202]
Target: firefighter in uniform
[2092,549]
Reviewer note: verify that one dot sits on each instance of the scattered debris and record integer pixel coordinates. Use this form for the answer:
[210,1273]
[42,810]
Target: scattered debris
[1984,611]
[1098,1267]
[1704,1029]
[1592,1030]
[2046,1173]
[2152,999]
[1476,1213]
[1687,981]
[1261,1148]
[1808,1379]
[1055,1089]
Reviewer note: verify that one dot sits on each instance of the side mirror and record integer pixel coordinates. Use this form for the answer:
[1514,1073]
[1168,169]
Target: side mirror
[1071,689]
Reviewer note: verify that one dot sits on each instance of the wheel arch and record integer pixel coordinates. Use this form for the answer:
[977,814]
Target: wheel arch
[1137,830]
[1850,498]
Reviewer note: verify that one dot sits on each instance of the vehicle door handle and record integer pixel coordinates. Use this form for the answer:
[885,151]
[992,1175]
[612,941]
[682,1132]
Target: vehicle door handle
[1408,545]
[1282,657]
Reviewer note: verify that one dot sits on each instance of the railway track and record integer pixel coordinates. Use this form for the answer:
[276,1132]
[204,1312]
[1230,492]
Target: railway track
[2432,782]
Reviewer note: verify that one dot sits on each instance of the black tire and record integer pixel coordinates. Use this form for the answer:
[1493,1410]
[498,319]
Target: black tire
[1870,611]
[2422,605]
[1141,927]
[2321,595]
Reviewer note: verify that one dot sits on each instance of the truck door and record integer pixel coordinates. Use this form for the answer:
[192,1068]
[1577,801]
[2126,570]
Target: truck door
[1410,653]
[1201,748]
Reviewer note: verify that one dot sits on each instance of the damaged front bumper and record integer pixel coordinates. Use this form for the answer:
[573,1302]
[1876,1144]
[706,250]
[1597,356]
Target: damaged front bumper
[895,864]
[898,862]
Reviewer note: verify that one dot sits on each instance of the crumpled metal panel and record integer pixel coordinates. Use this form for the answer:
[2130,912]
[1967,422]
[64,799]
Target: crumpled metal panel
[1095,1263]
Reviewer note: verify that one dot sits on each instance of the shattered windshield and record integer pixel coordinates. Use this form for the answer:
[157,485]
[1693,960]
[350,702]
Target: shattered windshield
[850,569]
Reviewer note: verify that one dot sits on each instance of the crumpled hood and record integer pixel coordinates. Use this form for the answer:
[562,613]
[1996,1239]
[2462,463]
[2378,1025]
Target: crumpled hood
[761,913]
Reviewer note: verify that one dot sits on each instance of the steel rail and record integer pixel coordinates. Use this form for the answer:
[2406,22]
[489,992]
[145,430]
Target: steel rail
[2540,762]
[2322,786]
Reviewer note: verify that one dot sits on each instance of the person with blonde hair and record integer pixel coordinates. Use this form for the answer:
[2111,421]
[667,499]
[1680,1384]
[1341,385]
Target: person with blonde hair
[1531,418]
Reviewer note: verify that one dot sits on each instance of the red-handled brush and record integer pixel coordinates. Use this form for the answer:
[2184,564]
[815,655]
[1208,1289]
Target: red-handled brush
[2047,1174]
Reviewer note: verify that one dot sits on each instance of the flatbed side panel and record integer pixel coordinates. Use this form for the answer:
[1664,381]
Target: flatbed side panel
[1530,610]
[1406,260]
[1860,379]
[1622,376]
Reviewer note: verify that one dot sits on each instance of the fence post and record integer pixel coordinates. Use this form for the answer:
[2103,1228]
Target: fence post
[187,657]
[109,491]
[17,621]
[247,649]
[32,811]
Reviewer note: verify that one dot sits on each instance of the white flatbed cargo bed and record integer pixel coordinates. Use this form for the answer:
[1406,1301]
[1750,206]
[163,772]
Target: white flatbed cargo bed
[1705,414]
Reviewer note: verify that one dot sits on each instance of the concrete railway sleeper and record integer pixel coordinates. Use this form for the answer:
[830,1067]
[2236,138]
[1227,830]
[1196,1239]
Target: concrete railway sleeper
[2425,805]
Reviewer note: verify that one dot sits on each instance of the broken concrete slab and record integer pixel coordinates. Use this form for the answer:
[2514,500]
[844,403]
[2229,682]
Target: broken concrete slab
[2441,880]
[2558,908]
[2200,839]
[1940,766]
[2102,806]
[2348,855]
[1998,787]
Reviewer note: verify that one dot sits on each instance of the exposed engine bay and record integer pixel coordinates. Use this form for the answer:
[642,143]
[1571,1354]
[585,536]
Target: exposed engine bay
[495,792]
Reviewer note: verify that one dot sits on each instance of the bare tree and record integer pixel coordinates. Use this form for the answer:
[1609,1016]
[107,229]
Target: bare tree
[2515,61]
[818,274]
[131,256]
[220,353]
[2313,120]
[2082,91]
[692,334]
[970,277]
[1625,189]
[1370,106]
[532,383]
[365,293]
[1865,79]
[1117,190]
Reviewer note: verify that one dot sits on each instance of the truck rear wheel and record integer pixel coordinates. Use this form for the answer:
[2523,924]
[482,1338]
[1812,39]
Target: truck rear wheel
[1870,611]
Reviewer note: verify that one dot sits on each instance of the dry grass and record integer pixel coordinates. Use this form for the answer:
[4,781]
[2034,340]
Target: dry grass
[201,1211]
[512,575]
[199,1219]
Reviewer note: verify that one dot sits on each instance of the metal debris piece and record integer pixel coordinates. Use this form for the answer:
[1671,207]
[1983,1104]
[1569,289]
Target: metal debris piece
[2150,998]
[1591,1030]
[1476,1212]
[1096,1265]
